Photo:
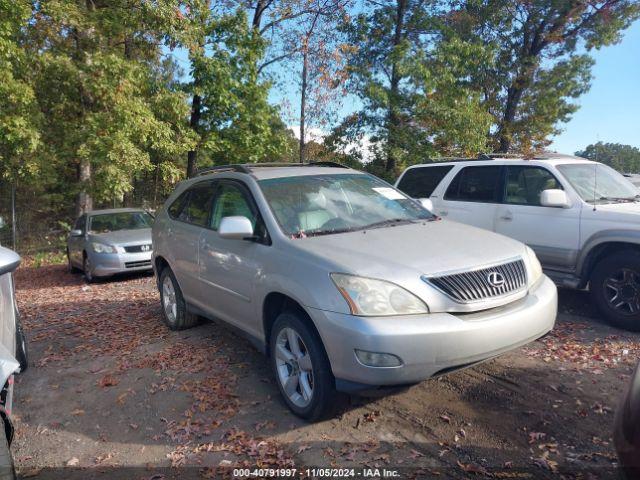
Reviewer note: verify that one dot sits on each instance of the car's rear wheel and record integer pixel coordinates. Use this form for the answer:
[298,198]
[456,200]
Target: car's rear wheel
[615,289]
[301,368]
[7,470]
[87,268]
[174,308]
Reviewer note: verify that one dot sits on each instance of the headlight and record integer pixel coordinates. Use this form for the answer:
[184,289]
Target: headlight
[102,248]
[369,297]
[535,269]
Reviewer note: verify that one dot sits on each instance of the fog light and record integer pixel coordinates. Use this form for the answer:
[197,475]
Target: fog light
[375,359]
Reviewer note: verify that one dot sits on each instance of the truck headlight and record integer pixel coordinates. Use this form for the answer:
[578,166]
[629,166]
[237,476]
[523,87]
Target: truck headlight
[369,297]
[535,269]
[103,248]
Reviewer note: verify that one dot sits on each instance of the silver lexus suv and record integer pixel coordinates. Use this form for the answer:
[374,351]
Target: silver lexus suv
[343,281]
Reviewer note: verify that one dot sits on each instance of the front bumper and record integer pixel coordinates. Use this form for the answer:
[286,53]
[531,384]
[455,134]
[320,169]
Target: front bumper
[106,264]
[435,343]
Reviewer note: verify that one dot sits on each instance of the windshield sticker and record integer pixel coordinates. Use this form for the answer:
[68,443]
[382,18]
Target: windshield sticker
[389,193]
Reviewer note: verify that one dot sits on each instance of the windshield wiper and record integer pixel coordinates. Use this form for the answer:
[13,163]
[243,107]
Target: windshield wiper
[384,223]
[620,199]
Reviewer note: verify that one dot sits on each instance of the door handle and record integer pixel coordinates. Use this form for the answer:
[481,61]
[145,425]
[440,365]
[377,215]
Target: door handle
[507,216]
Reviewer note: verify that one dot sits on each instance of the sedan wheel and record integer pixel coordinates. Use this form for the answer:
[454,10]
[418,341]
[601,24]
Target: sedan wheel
[295,369]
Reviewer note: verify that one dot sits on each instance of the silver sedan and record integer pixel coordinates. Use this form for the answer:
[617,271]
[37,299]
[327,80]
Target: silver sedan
[105,242]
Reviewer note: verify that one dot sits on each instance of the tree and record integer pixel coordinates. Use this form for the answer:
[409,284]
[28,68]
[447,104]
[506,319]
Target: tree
[19,117]
[104,102]
[624,158]
[412,80]
[540,59]
[230,111]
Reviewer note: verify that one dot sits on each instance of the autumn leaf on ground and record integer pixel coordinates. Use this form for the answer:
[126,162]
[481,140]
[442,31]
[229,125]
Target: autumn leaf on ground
[302,448]
[108,381]
[73,462]
[473,468]
[445,418]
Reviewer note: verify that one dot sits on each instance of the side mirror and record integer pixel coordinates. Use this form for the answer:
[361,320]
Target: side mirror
[76,233]
[554,198]
[235,228]
[426,203]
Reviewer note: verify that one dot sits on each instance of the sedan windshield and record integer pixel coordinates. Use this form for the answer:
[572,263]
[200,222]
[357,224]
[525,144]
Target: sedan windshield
[110,222]
[599,183]
[324,204]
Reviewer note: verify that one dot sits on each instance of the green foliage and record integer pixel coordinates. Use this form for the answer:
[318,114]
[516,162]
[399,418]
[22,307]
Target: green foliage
[19,117]
[624,158]
[539,62]
[417,102]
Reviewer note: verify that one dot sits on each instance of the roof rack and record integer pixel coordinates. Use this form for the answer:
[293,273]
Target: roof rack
[247,167]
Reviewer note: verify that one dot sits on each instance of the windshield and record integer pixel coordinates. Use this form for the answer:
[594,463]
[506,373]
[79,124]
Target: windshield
[595,181]
[325,204]
[110,222]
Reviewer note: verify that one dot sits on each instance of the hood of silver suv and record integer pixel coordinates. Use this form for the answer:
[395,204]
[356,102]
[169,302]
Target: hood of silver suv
[425,248]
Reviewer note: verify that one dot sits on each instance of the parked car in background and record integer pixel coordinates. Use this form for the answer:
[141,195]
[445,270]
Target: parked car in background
[13,354]
[105,242]
[627,428]
[582,218]
[345,282]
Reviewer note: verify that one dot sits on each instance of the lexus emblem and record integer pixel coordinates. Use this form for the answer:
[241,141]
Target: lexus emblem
[145,248]
[495,279]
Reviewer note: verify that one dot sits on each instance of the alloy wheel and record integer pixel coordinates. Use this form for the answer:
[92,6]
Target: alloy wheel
[622,291]
[294,366]
[169,302]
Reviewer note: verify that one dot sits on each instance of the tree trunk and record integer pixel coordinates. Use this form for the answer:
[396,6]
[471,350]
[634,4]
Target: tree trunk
[514,94]
[194,123]
[85,202]
[393,116]
[303,101]
[261,6]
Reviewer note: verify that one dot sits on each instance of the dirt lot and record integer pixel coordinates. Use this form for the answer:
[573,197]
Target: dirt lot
[111,393]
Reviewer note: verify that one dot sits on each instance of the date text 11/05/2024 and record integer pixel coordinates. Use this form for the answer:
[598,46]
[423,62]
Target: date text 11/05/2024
[315,473]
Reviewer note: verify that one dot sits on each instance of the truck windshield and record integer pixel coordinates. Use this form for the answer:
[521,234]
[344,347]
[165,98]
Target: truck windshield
[324,204]
[599,183]
[110,222]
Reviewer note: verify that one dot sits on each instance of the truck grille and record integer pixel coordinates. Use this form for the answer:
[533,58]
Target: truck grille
[137,248]
[485,283]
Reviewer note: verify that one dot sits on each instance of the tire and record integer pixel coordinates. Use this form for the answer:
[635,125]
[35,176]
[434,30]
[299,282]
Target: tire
[316,373]
[615,289]
[22,353]
[174,308]
[70,266]
[7,470]
[86,268]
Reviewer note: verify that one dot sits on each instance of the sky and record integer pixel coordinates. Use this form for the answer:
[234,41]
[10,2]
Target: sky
[610,111]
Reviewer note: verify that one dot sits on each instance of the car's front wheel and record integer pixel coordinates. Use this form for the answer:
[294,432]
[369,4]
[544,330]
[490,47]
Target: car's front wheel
[87,268]
[301,368]
[174,308]
[72,268]
[615,289]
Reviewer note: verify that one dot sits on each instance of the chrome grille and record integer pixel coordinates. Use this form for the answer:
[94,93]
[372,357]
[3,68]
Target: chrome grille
[137,248]
[481,284]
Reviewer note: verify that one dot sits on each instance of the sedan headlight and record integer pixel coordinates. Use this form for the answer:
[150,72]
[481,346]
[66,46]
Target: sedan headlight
[535,269]
[102,248]
[369,297]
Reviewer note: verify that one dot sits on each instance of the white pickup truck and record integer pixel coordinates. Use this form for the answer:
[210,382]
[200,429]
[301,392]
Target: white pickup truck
[582,218]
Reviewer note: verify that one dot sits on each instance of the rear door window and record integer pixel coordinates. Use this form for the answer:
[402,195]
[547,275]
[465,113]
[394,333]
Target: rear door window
[476,184]
[194,205]
[420,182]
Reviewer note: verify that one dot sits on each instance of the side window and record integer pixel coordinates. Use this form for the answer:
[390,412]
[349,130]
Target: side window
[525,184]
[193,206]
[420,182]
[81,223]
[178,205]
[199,205]
[475,184]
[231,201]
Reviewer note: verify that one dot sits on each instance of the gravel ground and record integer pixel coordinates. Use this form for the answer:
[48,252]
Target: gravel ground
[111,393]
